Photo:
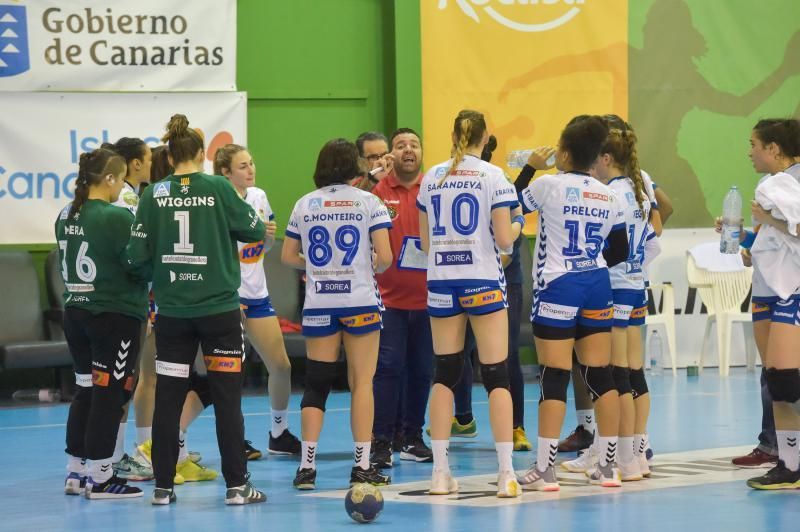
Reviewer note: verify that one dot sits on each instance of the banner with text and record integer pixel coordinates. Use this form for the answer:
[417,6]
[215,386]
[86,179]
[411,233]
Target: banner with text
[45,133]
[94,45]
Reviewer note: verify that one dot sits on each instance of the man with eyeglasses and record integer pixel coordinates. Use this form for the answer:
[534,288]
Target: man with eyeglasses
[373,147]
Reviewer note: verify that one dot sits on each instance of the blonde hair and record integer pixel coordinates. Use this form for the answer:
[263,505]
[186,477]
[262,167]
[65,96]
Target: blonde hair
[468,129]
[621,145]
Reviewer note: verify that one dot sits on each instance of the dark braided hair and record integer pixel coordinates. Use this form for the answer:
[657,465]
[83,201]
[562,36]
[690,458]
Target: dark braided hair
[92,167]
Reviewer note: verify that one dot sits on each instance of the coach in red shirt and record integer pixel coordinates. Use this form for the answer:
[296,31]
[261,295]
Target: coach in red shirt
[405,357]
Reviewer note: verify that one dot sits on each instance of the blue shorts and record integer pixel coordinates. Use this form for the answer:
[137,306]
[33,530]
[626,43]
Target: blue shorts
[445,301]
[580,298]
[777,310]
[257,308]
[353,320]
[630,307]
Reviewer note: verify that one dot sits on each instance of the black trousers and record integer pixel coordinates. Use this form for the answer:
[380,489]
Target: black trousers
[104,348]
[221,337]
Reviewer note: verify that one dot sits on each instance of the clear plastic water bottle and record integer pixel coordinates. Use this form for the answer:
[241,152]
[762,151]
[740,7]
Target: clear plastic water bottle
[519,158]
[731,222]
[45,395]
[655,350]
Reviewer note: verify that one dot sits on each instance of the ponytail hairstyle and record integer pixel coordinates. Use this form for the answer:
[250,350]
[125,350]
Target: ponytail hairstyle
[468,130]
[621,145]
[785,132]
[583,140]
[491,145]
[182,141]
[160,167]
[224,157]
[92,168]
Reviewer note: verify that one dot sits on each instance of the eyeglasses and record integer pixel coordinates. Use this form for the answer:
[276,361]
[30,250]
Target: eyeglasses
[375,156]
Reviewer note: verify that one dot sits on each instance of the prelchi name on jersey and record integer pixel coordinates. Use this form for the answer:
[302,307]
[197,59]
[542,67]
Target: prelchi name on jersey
[199,201]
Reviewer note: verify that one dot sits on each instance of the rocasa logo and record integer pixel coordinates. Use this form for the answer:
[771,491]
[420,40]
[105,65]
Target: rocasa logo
[14,56]
[513,13]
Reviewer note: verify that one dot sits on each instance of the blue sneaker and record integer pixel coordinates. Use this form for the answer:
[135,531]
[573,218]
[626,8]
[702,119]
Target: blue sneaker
[75,484]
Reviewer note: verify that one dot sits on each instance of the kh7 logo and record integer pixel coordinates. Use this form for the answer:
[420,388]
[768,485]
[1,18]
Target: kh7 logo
[14,56]
[467,6]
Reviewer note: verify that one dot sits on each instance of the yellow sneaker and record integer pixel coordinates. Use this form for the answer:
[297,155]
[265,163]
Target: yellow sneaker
[192,472]
[457,430]
[178,479]
[144,452]
[521,442]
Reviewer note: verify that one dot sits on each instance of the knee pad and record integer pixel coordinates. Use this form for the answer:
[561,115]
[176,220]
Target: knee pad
[638,383]
[554,383]
[199,385]
[495,376]
[319,380]
[622,379]
[448,369]
[784,384]
[599,380]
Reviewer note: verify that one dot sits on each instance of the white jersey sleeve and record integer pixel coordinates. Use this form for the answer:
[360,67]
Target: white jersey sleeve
[650,189]
[629,275]
[128,198]
[251,255]
[535,195]
[379,215]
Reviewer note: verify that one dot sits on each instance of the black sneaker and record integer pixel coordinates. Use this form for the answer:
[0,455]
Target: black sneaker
[75,484]
[397,441]
[305,479]
[285,444]
[579,440]
[369,476]
[113,488]
[381,454]
[246,494]
[251,452]
[414,449]
[163,496]
[777,478]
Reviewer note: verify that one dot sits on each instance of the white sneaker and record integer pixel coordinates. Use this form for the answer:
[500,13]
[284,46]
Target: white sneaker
[533,479]
[507,485]
[442,483]
[644,465]
[607,476]
[630,471]
[583,463]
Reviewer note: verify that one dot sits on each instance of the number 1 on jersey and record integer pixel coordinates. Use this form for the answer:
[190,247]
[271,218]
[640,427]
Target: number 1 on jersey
[183,245]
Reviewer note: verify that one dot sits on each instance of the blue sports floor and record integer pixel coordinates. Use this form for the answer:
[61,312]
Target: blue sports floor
[697,424]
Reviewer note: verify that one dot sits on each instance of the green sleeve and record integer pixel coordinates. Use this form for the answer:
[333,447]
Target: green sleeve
[245,224]
[138,254]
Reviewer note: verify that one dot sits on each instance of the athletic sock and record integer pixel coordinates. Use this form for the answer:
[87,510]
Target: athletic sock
[788,450]
[309,456]
[608,449]
[546,452]
[361,454]
[504,452]
[626,449]
[100,470]
[119,448]
[586,420]
[639,443]
[441,461]
[76,465]
[143,434]
[280,422]
[183,448]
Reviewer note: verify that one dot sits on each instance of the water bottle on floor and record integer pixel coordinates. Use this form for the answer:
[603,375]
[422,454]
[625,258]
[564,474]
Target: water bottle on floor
[45,395]
[731,222]
[519,158]
[655,350]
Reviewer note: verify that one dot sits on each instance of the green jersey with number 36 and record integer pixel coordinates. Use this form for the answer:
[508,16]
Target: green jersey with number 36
[187,227]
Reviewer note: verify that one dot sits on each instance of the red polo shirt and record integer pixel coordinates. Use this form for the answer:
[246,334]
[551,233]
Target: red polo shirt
[401,288]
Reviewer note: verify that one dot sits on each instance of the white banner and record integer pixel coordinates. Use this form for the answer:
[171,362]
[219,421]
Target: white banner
[96,45]
[690,315]
[43,135]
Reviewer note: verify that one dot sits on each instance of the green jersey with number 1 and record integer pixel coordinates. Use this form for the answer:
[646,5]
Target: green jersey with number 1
[187,227]
[91,246]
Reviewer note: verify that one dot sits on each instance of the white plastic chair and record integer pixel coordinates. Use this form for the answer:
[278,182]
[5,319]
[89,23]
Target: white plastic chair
[723,294]
[666,318]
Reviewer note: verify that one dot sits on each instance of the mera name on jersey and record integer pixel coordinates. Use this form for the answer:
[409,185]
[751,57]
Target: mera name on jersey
[73,230]
[581,210]
[334,217]
[197,201]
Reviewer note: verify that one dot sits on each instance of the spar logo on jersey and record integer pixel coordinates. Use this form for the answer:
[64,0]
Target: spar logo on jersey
[521,15]
[573,195]
[14,56]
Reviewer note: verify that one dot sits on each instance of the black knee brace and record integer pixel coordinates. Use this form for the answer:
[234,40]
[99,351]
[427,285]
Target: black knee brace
[448,369]
[784,384]
[319,380]
[599,380]
[553,383]
[199,385]
[495,376]
[638,383]
[622,379]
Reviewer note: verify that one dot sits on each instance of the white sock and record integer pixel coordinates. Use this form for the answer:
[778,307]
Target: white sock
[309,456]
[586,420]
[504,451]
[546,452]
[788,449]
[361,454]
[646,442]
[608,449]
[626,449]
[119,448]
[280,422]
[639,443]
[143,434]
[183,448]
[100,470]
[440,455]
[76,465]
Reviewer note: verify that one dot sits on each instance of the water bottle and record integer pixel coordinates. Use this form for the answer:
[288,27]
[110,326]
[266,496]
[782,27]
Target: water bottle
[654,354]
[519,158]
[731,222]
[45,395]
